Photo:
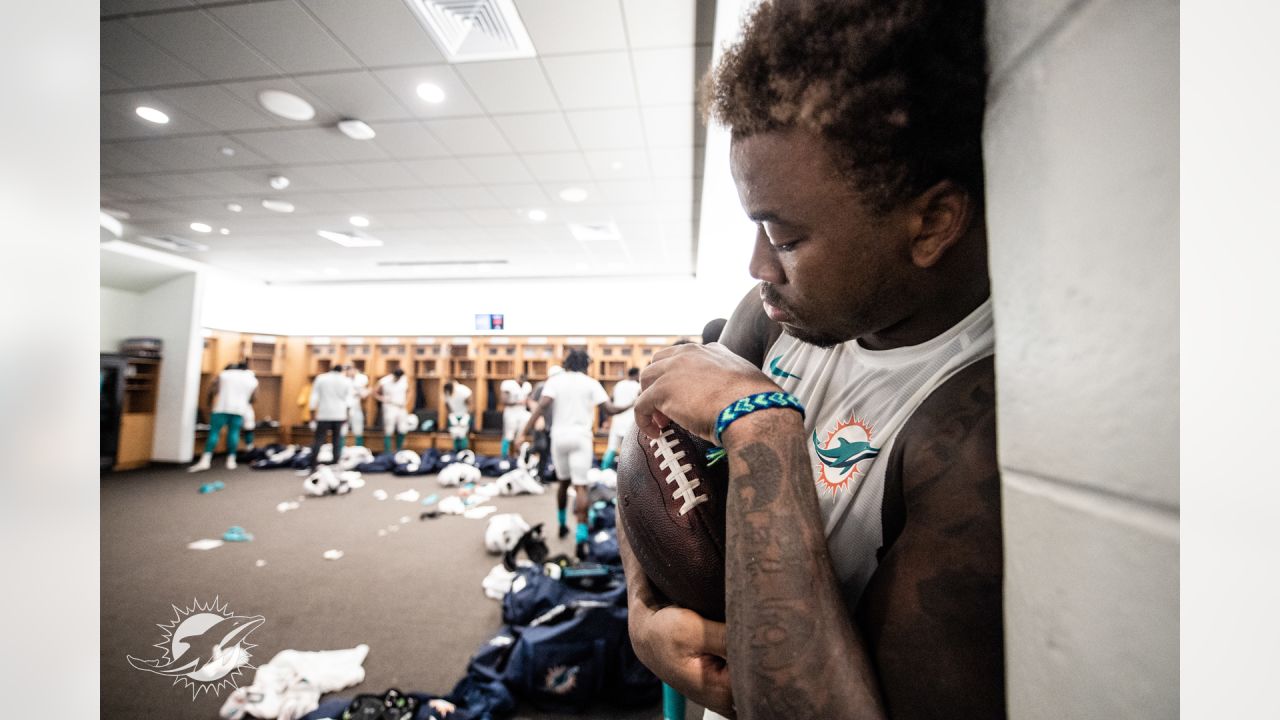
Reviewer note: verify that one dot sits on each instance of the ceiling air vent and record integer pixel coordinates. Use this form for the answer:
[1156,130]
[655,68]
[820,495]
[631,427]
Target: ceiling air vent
[173,243]
[590,232]
[474,30]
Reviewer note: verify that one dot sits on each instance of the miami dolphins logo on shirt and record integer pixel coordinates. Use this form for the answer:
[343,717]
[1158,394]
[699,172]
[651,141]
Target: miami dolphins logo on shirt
[561,679]
[846,446]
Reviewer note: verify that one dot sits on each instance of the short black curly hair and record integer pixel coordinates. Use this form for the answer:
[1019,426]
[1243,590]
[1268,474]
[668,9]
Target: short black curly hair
[897,87]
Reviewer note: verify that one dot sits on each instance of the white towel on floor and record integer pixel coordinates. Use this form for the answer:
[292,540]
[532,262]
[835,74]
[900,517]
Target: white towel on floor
[291,684]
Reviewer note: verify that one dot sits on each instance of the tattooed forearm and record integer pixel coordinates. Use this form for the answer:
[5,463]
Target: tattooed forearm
[789,633]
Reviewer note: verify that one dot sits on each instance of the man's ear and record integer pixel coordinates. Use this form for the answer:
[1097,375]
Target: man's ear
[942,215]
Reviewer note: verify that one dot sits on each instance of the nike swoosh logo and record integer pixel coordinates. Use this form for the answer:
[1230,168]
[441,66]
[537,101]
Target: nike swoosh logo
[779,372]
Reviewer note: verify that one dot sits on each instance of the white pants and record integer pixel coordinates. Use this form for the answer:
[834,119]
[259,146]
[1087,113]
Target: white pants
[513,418]
[618,429]
[391,415]
[459,425]
[357,420]
[572,452]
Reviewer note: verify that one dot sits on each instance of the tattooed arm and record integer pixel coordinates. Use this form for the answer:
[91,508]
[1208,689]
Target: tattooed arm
[928,641]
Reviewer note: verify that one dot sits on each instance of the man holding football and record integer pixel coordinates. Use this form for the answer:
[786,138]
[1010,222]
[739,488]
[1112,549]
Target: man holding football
[854,390]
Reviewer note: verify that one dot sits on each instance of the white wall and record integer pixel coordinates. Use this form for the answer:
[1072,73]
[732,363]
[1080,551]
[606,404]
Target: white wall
[657,306]
[1082,167]
[118,313]
[172,312]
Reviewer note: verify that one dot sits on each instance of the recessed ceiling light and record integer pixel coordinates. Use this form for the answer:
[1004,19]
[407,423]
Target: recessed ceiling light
[235,207]
[359,220]
[350,240]
[228,151]
[279,182]
[151,114]
[200,227]
[224,231]
[357,130]
[117,214]
[286,105]
[616,164]
[431,93]
[283,206]
[537,215]
[573,194]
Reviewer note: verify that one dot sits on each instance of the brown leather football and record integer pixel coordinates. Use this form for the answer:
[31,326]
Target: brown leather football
[672,505]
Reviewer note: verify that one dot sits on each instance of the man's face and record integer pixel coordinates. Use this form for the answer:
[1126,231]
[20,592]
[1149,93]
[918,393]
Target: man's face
[830,268]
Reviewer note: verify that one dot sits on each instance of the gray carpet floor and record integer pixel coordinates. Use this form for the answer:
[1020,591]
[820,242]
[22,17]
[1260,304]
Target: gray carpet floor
[412,595]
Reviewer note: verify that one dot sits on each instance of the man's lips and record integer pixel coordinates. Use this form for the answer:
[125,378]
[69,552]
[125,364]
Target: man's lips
[774,312]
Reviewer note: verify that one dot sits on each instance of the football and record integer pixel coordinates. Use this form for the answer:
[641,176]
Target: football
[672,505]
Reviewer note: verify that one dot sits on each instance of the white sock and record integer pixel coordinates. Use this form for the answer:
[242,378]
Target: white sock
[231,461]
[202,463]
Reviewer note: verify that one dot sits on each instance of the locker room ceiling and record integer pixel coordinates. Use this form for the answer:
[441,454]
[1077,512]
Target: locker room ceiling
[607,105]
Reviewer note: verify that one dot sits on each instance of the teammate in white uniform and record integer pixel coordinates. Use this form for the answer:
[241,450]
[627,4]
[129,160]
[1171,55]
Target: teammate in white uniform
[393,393]
[234,388]
[515,410]
[331,403]
[457,400]
[571,398]
[624,395]
[864,554]
[359,391]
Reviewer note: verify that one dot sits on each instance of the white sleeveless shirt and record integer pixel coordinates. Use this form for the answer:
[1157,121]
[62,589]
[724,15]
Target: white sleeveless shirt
[856,401]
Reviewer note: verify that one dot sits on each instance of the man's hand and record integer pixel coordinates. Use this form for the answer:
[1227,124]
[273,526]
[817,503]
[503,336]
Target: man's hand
[690,384]
[680,646]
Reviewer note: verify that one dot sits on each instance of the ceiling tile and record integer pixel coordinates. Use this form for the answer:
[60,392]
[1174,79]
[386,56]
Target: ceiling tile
[218,107]
[493,169]
[469,136]
[618,164]
[248,92]
[309,145]
[675,190]
[313,178]
[194,153]
[567,26]
[441,172]
[624,192]
[115,160]
[607,129]
[204,44]
[670,126]
[131,188]
[537,132]
[407,139]
[355,95]
[108,80]
[554,167]
[133,57]
[383,175]
[489,217]
[118,119]
[286,35]
[403,83]
[185,185]
[416,199]
[237,183]
[464,198]
[525,195]
[280,146]
[667,76]
[379,32]
[663,23]
[594,80]
[510,86]
[443,219]
[676,161]
[117,7]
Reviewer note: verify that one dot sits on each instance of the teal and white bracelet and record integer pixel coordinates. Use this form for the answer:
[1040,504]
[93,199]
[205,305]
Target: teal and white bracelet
[753,403]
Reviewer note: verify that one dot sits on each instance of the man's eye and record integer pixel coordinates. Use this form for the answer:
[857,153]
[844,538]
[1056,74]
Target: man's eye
[785,246]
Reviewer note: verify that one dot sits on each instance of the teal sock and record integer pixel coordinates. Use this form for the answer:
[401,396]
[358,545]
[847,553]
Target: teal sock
[506,447]
[359,441]
[581,535]
[607,462]
[560,515]
[399,442]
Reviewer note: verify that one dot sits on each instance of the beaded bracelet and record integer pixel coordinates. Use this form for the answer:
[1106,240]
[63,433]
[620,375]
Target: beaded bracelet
[752,403]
